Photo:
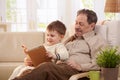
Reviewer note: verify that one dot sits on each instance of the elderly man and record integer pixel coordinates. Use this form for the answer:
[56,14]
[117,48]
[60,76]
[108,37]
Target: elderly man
[82,47]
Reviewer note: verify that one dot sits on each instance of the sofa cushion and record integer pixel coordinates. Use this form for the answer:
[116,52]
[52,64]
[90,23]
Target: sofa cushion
[113,32]
[7,68]
[102,30]
[10,44]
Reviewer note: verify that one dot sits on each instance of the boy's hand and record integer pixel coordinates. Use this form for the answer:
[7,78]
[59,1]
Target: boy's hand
[50,55]
[27,61]
[24,48]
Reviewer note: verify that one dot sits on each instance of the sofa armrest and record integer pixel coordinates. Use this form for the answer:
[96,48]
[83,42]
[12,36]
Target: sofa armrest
[78,76]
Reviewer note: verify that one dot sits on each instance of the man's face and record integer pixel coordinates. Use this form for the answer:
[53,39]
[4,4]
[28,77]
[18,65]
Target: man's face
[82,26]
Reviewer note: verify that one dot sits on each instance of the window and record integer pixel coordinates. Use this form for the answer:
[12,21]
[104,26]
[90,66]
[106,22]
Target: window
[27,15]
[34,15]
[46,12]
[89,4]
[16,15]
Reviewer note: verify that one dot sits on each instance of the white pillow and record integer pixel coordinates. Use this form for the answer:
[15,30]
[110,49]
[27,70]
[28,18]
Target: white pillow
[102,30]
[113,32]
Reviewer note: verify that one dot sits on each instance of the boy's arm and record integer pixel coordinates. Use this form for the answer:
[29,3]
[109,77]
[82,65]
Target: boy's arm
[24,48]
[61,52]
[27,60]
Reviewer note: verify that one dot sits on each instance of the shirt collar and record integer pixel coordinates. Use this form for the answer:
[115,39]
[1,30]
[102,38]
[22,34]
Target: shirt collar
[86,35]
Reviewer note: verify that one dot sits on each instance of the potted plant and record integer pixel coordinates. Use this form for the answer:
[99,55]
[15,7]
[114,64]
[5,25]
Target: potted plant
[109,61]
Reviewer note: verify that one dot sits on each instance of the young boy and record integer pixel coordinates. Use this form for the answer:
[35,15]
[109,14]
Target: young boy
[56,50]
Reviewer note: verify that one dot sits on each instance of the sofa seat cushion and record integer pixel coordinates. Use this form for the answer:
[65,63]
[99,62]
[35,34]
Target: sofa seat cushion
[6,69]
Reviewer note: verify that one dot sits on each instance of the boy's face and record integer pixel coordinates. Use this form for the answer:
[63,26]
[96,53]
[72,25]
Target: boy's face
[53,37]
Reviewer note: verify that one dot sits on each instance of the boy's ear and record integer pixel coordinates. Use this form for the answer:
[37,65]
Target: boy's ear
[62,36]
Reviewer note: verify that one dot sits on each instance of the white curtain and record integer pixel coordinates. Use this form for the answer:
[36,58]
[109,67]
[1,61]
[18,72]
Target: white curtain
[99,9]
[2,10]
[31,14]
[67,10]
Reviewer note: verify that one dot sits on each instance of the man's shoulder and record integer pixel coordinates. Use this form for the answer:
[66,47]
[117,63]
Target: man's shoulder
[96,38]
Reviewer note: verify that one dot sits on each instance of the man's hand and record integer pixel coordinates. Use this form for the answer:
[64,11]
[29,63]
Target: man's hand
[74,65]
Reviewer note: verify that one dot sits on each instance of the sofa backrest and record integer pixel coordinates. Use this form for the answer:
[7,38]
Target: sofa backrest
[11,42]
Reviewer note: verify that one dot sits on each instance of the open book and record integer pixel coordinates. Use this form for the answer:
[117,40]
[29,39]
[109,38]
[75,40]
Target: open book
[38,55]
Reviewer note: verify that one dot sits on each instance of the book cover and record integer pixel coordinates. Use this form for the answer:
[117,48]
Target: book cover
[38,55]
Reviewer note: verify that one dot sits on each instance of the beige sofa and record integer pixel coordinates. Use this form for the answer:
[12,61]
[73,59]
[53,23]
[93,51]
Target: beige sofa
[11,53]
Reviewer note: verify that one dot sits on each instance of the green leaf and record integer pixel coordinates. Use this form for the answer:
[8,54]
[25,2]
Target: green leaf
[108,58]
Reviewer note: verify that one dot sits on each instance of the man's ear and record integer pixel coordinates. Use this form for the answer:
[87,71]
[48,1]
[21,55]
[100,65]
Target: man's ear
[92,25]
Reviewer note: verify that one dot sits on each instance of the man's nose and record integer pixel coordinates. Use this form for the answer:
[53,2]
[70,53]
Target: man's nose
[77,29]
